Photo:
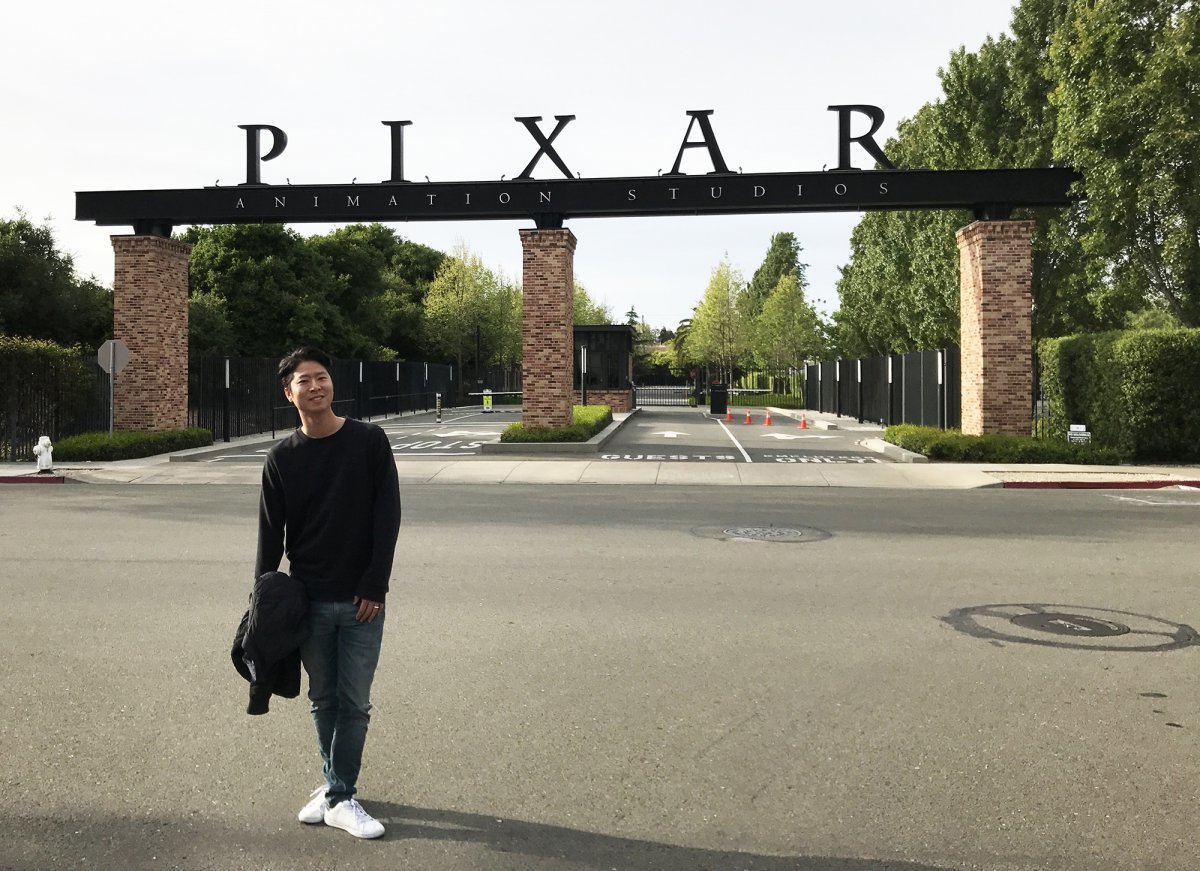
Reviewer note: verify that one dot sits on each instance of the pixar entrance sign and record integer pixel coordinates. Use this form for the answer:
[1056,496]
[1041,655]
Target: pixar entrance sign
[990,194]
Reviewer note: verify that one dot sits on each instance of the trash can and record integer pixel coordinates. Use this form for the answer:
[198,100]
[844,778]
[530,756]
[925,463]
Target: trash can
[718,396]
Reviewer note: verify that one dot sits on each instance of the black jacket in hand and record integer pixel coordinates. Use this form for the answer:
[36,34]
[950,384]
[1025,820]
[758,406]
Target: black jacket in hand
[266,647]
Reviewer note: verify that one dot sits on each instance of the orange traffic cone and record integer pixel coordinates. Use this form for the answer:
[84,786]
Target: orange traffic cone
[767,422]
[803,422]
[728,415]
[747,417]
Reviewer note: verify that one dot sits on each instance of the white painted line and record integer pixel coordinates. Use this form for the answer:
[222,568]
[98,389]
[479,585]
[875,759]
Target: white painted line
[721,424]
[431,454]
[231,456]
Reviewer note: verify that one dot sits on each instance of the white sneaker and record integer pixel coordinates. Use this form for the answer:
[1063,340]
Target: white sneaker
[314,811]
[349,815]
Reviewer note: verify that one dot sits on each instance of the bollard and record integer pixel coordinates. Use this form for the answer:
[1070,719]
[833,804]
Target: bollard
[439,407]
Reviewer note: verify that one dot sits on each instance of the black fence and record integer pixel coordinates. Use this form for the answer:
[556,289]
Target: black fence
[60,398]
[655,395]
[923,387]
[234,396]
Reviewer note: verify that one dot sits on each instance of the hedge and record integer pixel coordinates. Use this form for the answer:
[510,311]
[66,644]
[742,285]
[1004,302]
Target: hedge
[586,421]
[949,445]
[129,445]
[1137,391]
[47,391]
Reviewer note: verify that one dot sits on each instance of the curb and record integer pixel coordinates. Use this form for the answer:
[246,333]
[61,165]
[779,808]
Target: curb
[32,478]
[1097,485]
[592,446]
[893,452]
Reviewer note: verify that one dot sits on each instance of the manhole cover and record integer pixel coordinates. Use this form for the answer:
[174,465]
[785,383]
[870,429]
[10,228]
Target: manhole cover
[782,534]
[1070,624]
[765,533]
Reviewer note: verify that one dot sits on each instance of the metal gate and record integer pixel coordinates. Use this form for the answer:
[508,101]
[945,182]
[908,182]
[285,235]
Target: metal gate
[643,396]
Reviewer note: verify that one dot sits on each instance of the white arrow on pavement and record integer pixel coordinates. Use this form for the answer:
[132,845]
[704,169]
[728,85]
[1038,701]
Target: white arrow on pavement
[671,434]
[784,435]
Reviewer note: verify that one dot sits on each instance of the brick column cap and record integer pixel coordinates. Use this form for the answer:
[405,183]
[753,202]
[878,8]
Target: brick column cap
[173,246]
[556,235]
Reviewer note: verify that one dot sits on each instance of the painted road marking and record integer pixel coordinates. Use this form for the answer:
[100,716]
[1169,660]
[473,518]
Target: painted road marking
[664,458]
[827,458]
[671,434]
[721,424]
[784,435]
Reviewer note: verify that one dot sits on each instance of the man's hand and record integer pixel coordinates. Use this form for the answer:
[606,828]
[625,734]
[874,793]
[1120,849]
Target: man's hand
[367,610]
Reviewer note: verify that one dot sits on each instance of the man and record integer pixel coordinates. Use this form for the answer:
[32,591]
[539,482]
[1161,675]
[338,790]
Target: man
[331,499]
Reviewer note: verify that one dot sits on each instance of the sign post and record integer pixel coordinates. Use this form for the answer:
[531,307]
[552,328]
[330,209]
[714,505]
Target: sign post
[112,357]
[583,375]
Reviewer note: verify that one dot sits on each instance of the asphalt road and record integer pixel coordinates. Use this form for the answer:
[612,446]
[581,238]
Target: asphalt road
[654,434]
[693,435]
[604,677]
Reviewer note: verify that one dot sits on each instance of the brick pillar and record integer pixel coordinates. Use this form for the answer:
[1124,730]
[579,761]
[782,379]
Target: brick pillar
[995,268]
[547,355]
[150,315]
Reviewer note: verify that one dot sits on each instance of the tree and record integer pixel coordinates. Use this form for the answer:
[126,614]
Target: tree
[504,324]
[382,284]
[1128,102]
[457,307]
[900,290]
[718,330]
[788,331]
[277,291]
[783,256]
[586,311]
[40,295]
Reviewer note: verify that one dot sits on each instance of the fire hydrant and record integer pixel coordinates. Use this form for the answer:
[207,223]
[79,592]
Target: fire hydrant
[44,451]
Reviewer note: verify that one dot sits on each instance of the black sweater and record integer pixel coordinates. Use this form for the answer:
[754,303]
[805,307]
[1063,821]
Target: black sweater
[334,504]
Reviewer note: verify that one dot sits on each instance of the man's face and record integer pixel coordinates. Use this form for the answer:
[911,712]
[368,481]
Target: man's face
[311,388]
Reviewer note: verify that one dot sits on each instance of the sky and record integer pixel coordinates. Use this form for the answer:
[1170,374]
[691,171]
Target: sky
[137,95]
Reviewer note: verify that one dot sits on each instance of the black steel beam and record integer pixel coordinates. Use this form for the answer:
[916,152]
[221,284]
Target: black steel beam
[985,191]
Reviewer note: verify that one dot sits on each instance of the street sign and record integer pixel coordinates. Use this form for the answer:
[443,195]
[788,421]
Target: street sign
[1078,434]
[112,356]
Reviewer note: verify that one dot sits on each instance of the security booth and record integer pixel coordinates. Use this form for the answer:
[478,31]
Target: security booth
[603,365]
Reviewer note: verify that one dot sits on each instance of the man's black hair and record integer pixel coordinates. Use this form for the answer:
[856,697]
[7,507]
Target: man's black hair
[306,354]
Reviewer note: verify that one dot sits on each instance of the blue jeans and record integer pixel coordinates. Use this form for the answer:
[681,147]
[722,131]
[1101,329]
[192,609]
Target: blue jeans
[340,656]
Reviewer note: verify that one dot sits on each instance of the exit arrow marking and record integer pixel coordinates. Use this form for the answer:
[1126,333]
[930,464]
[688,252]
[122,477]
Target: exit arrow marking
[671,434]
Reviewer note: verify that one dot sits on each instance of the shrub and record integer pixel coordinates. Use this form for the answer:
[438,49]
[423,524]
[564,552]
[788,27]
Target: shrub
[586,421]
[954,447]
[129,445]
[1137,391]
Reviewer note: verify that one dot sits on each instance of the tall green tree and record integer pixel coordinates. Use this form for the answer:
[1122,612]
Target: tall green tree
[41,296]
[277,291]
[783,256]
[585,310]
[900,290]
[787,331]
[504,324]
[383,279]
[1128,100]
[460,311]
[718,333]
